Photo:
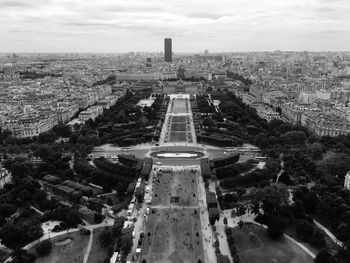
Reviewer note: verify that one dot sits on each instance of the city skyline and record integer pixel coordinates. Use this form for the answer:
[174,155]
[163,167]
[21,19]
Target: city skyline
[123,26]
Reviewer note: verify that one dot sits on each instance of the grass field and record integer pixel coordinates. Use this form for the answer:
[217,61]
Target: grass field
[97,254]
[261,249]
[178,119]
[72,252]
[178,137]
[178,127]
[179,106]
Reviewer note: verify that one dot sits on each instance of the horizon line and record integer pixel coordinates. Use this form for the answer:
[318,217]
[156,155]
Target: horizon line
[178,52]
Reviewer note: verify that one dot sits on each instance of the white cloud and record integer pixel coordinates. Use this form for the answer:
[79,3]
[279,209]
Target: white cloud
[195,25]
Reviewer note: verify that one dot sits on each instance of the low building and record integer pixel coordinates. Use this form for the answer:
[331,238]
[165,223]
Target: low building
[51,179]
[91,113]
[267,113]
[5,177]
[323,124]
[347,181]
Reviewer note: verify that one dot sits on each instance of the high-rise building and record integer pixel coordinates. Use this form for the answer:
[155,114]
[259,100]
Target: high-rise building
[168,56]
[149,62]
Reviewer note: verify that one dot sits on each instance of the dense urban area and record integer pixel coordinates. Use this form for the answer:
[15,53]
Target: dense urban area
[152,157]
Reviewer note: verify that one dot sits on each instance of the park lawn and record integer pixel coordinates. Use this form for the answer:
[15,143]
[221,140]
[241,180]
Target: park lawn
[178,127]
[178,119]
[179,106]
[97,253]
[73,252]
[178,137]
[261,248]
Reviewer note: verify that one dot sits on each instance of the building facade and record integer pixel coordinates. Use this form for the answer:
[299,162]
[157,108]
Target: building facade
[347,181]
[168,53]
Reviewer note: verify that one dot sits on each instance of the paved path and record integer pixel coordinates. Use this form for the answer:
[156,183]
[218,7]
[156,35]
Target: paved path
[37,210]
[220,230]
[328,233]
[88,249]
[207,233]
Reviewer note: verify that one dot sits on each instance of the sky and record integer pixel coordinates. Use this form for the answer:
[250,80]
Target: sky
[194,25]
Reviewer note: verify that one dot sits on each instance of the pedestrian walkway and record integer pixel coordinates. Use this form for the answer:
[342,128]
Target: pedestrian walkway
[328,233]
[88,249]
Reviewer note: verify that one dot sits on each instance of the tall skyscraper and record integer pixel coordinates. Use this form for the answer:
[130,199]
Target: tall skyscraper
[168,56]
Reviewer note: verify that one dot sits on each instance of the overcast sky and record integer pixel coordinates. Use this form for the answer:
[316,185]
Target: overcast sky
[194,25]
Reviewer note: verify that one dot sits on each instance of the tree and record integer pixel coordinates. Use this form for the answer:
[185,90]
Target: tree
[10,235]
[230,240]
[68,173]
[318,238]
[323,257]
[30,230]
[2,221]
[25,196]
[139,193]
[98,218]
[21,256]
[7,210]
[62,130]
[120,189]
[304,230]
[208,122]
[126,242]
[316,150]
[342,232]
[109,201]
[310,201]
[270,198]
[276,227]
[236,259]
[241,209]
[336,164]
[118,226]
[73,218]
[47,137]
[4,134]
[294,137]
[44,248]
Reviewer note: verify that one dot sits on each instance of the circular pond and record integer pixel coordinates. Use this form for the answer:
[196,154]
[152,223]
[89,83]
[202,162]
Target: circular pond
[165,154]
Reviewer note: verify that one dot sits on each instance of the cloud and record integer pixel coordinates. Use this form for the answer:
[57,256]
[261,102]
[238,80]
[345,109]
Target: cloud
[212,16]
[123,25]
[16,4]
